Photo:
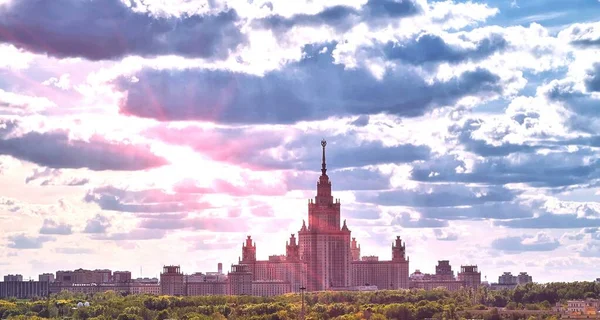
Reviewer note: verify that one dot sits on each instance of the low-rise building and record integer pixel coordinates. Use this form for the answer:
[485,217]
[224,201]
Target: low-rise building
[269,288]
[23,289]
[48,277]
[13,277]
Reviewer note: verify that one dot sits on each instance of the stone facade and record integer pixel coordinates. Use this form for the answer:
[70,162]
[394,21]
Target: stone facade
[325,257]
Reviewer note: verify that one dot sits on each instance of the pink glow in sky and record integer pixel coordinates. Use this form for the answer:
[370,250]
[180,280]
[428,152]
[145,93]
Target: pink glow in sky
[142,134]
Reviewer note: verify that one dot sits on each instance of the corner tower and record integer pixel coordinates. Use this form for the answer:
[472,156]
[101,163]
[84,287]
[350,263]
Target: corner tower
[324,243]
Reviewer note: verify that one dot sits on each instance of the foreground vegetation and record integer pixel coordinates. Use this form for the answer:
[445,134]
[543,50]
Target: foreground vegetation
[439,304]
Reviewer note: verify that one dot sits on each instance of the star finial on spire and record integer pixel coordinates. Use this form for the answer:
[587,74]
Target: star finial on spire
[323,165]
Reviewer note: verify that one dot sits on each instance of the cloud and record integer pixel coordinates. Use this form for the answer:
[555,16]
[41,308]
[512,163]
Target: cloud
[249,187]
[433,49]
[147,200]
[97,224]
[110,30]
[583,35]
[405,220]
[551,221]
[349,179]
[592,233]
[538,170]
[76,251]
[540,242]
[592,83]
[215,224]
[51,176]
[18,103]
[494,210]
[445,235]
[294,93]
[56,150]
[22,241]
[251,147]
[438,195]
[362,211]
[590,249]
[53,227]
[373,12]
[135,234]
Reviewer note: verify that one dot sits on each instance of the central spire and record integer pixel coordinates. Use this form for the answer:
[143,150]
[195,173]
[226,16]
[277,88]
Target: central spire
[323,165]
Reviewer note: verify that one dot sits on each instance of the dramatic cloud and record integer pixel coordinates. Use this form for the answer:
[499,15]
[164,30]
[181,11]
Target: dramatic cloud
[145,130]
[541,170]
[430,48]
[250,148]
[342,18]
[56,150]
[540,242]
[295,93]
[108,29]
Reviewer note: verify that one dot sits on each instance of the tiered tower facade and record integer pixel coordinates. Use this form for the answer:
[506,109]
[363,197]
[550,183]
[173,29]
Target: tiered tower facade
[324,257]
[324,243]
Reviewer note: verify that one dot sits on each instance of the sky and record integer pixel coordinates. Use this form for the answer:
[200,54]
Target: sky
[141,133]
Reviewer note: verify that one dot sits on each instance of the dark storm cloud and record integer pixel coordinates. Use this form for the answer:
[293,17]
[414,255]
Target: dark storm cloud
[249,148]
[314,88]
[429,48]
[53,227]
[541,242]
[108,29]
[592,83]
[342,18]
[406,221]
[21,241]
[436,195]
[538,170]
[55,150]
[144,201]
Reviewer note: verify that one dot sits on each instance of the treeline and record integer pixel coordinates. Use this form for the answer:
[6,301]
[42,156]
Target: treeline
[405,305]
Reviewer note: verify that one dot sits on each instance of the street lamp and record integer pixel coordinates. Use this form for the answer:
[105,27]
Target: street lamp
[302,298]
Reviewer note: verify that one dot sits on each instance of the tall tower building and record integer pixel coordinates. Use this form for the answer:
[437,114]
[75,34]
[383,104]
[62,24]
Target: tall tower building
[172,281]
[324,245]
[292,250]
[248,251]
[355,250]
